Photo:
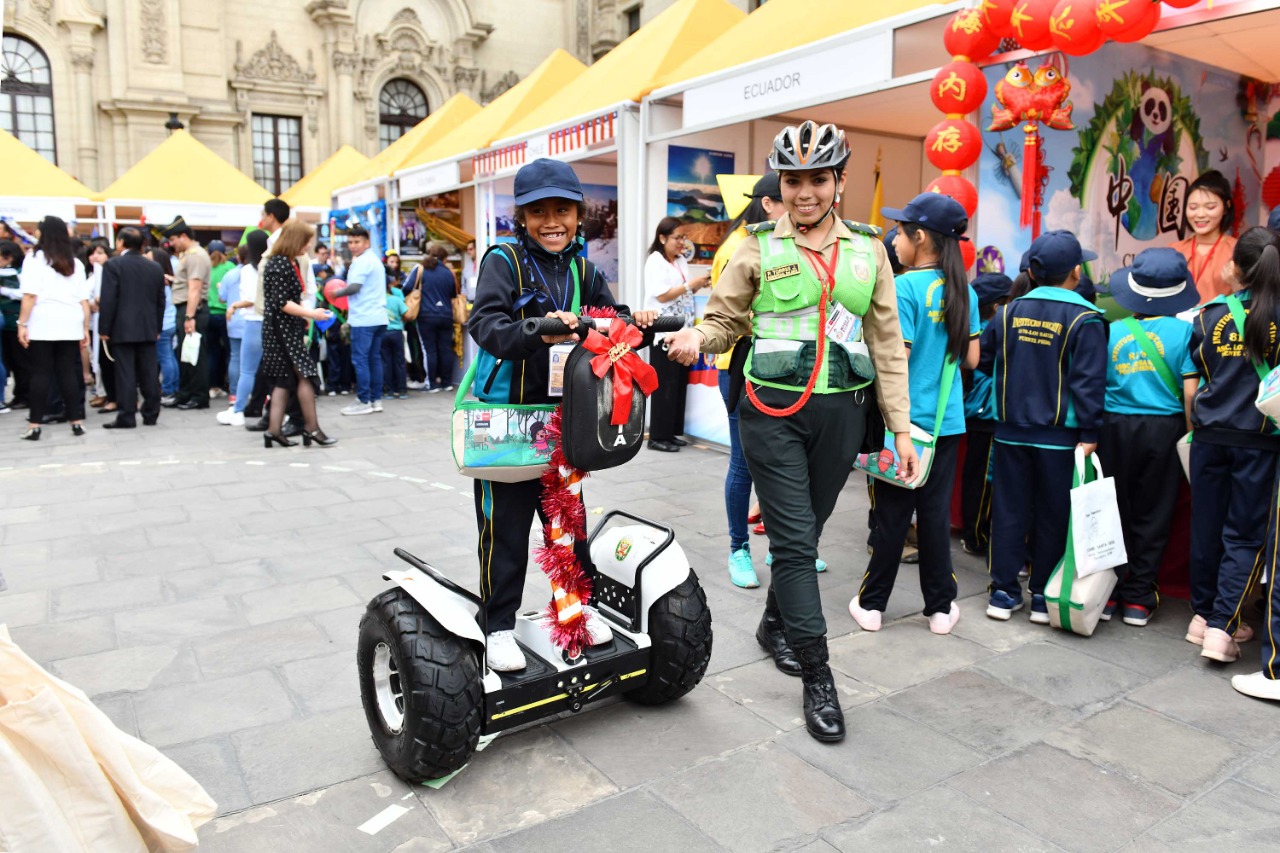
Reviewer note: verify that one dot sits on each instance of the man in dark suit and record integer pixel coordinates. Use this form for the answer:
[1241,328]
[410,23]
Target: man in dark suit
[129,322]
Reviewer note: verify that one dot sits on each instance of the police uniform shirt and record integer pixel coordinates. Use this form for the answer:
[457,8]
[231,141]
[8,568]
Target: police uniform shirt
[1133,385]
[924,329]
[728,314]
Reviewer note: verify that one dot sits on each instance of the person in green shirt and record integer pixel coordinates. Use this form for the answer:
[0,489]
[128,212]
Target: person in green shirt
[393,364]
[219,345]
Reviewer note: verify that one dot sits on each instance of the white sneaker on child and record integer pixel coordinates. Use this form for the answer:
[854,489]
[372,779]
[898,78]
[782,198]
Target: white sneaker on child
[868,620]
[502,652]
[942,623]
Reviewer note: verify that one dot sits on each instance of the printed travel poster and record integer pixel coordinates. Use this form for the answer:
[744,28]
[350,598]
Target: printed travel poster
[694,197]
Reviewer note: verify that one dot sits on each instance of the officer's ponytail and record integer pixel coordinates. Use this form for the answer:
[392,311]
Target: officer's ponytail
[955,300]
[1257,258]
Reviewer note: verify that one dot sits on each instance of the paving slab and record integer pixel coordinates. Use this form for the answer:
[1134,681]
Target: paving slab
[522,779]
[1061,676]
[885,756]
[1146,652]
[979,711]
[330,819]
[1149,746]
[52,641]
[1206,702]
[324,683]
[27,572]
[18,609]
[226,579]
[107,597]
[632,744]
[777,698]
[940,818]
[200,617]
[133,669]
[213,764]
[1263,773]
[902,654]
[173,715]
[731,647]
[285,600]
[759,798]
[1231,817]
[244,649]
[1069,801]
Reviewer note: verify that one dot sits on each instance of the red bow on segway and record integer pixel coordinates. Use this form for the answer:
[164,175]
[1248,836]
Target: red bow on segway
[616,351]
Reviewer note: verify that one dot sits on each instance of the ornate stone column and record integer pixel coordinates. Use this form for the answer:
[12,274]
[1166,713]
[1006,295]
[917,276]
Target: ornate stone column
[86,118]
[344,66]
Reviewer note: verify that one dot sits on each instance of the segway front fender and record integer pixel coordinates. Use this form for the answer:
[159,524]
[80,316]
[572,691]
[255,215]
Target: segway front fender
[457,614]
[636,565]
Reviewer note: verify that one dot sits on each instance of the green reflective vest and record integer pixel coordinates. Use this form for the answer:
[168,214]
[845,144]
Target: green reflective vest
[785,316]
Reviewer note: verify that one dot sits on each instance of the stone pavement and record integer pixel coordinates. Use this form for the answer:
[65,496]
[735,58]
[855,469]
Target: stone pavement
[206,593]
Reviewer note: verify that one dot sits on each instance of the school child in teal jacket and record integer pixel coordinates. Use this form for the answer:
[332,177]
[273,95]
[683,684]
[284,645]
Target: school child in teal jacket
[992,290]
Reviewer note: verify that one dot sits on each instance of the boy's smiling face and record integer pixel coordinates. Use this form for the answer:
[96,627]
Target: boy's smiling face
[553,222]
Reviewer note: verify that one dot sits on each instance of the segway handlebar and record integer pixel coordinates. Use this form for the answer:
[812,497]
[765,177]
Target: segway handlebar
[552,326]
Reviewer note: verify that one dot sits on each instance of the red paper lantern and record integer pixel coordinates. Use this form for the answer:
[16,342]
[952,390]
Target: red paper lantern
[953,144]
[1074,27]
[969,253]
[996,13]
[958,88]
[959,189]
[968,36]
[1128,20]
[1030,22]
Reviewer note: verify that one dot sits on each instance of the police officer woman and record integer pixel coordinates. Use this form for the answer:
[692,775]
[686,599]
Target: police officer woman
[817,295]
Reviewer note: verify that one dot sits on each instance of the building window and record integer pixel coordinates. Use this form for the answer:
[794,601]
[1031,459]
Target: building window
[633,19]
[400,106]
[26,96]
[277,152]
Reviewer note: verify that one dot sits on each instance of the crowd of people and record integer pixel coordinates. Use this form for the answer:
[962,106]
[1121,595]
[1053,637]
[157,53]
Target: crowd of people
[220,322]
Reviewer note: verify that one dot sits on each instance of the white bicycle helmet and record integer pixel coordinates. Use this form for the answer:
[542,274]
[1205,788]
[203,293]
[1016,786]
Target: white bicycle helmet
[809,147]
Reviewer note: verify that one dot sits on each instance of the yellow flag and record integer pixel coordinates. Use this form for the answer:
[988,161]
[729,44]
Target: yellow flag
[877,199]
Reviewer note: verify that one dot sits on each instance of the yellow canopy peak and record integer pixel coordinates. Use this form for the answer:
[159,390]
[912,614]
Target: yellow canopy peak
[450,114]
[26,174]
[316,187]
[182,168]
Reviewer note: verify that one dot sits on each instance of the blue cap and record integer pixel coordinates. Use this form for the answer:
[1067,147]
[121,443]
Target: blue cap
[216,246]
[1025,263]
[1157,284]
[1054,254]
[991,287]
[1273,219]
[888,247]
[544,178]
[937,212]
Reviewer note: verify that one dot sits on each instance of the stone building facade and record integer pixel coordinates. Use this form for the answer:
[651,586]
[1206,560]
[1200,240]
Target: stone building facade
[273,86]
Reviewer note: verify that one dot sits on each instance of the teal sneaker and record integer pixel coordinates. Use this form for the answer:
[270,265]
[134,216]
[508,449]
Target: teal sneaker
[819,565]
[741,571]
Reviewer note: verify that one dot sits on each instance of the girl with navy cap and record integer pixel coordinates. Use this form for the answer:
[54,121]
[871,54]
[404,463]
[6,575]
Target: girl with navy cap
[541,274]
[1150,383]
[938,311]
[1235,447]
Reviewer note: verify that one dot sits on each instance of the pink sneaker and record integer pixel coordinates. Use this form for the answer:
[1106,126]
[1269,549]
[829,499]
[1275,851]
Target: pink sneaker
[868,620]
[1219,646]
[942,623]
[1195,631]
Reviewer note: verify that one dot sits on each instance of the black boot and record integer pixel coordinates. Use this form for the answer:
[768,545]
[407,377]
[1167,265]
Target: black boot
[822,715]
[773,639]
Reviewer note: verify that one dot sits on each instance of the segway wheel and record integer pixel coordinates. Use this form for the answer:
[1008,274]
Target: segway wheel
[421,687]
[680,630]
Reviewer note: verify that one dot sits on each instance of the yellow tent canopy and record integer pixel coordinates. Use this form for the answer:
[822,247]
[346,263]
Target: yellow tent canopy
[404,150]
[628,72]
[780,25]
[491,123]
[184,169]
[28,175]
[316,187]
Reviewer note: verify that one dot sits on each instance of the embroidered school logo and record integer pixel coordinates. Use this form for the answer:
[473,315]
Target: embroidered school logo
[623,549]
[781,272]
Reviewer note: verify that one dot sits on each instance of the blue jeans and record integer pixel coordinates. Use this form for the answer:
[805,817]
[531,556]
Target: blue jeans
[168,363]
[393,363]
[366,358]
[233,365]
[250,356]
[737,480]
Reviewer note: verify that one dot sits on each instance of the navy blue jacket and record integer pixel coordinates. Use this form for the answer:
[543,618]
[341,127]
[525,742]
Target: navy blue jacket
[1048,353]
[1222,410]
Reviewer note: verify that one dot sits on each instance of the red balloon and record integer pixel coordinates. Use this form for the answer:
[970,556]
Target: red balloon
[1074,27]
[330,287]
[958,88]
[959,189]
[1030,21]
[996,13]
[969,253]
[1181,4]
[953,144]
[968,36]
[1128,20]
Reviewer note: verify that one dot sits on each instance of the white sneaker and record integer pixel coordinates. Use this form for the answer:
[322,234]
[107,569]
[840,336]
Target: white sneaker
[942,623]
[598,630]
[502,652]
[868,620]
[1257,685]
[377,405]
[358,409]
[231,417]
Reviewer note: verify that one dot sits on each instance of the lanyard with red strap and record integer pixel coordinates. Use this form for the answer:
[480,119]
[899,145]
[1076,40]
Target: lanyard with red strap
[826,284]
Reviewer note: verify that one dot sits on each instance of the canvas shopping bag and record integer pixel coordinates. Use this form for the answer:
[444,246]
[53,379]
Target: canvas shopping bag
[884,465]
[1076,603]
[1268,399]
[191,349]
[491,441]
[163,803]
[1095,518]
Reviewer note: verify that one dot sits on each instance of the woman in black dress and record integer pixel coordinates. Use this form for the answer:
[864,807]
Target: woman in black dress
[285,359]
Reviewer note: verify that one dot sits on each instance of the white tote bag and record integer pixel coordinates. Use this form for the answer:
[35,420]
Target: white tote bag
[1098,535]
[191,348]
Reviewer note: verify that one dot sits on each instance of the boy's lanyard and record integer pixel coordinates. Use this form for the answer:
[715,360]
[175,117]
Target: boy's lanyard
[565,294]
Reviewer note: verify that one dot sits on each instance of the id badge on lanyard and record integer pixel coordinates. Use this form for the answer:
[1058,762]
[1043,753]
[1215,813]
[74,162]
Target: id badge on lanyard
[843,326]
[555,376]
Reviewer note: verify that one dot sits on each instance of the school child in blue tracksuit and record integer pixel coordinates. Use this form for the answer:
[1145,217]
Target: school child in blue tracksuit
[1148,411]
[1235,447]
[992,290]
[1047,351]
[938,312]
